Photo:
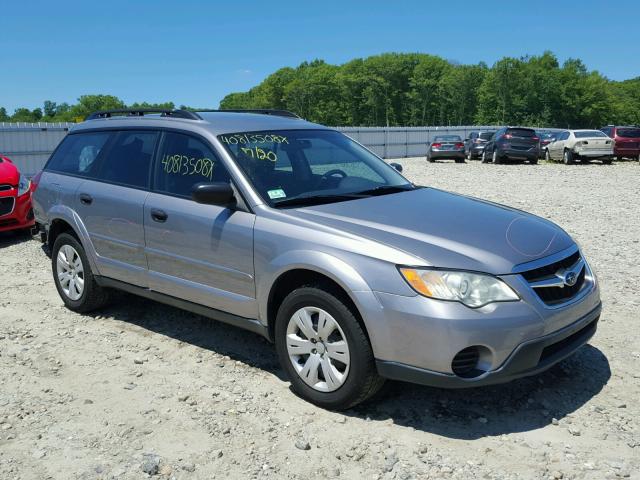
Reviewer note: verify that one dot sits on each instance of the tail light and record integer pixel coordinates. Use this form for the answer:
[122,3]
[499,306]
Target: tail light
[35,180]
[436,145]
[507,136]
[535,138]
[459,145]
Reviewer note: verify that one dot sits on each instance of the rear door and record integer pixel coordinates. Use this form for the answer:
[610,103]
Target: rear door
[111,205]
[200,253]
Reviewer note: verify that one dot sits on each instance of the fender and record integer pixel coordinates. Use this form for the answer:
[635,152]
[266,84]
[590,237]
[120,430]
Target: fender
[336,269]
[65,213]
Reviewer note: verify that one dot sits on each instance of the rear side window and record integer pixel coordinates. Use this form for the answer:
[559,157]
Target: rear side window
[129,159]
[185,161]
[77,154]
[628,132]
[521,132]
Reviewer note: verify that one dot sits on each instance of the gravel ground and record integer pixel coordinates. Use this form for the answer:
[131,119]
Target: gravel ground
[141,389]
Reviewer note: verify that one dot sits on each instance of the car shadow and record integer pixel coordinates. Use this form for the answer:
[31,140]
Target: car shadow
[14,237]
[521,405]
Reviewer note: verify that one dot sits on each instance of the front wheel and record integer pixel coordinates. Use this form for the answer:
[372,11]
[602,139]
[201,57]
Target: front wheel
[324,349]
[496,158]
[73,276]
[547,157]
[484,157]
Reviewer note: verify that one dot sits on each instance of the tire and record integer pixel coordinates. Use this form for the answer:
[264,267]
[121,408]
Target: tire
[459,160]
[73,261]
[534,161]
[567,157]
[470,155]
[495,158]
[317,303]
[484,157]
[547,157]
[607,161]
[429,159]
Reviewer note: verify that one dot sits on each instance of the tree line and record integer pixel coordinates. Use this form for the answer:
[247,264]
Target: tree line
[63,112]
[396,89]
[414,89]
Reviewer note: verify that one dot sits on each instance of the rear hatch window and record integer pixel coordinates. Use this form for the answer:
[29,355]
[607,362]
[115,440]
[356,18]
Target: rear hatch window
[521,132]
[486,135]
[628,132]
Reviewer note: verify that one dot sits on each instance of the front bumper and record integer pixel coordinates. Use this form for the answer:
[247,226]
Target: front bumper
[20,216]
[529,358]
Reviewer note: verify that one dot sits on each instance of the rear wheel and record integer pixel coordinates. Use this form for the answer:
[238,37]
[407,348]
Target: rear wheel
[607,161]
[470,155]
[324,349]
[73,277]
[459,160]
[568,157]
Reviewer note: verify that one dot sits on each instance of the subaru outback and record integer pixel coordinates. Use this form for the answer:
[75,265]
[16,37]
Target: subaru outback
[296,232]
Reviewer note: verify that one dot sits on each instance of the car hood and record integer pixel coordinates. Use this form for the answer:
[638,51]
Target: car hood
[444,229]
[8,173]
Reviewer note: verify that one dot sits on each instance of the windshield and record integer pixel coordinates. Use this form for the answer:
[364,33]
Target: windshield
[628,132]
[589,133]
[448,138]
[322,165]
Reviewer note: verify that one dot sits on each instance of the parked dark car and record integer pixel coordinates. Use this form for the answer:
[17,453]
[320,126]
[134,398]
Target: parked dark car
[626,141]
[512,143]
[474,145]
[545,139]
[446,146]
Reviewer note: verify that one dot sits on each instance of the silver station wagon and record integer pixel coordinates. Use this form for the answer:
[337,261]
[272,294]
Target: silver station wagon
[294,231]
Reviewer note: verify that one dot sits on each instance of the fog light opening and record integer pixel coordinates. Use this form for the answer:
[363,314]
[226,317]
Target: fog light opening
[471,362]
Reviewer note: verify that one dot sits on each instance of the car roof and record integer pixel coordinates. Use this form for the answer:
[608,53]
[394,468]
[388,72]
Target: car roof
[217,123]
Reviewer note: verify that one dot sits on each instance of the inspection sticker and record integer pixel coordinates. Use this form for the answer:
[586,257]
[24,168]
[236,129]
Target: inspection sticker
[277,193]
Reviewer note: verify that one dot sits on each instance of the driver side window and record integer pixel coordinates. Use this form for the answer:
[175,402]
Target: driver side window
[324,157]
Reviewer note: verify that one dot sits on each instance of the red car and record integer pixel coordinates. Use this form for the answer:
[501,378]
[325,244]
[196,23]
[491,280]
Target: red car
[15,198]
[626,141]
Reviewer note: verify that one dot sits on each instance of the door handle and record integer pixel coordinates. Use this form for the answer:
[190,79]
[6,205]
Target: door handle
[86,199]
[159,215]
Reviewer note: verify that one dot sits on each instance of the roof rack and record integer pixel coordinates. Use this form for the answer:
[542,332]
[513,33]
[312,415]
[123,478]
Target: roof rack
[140,112]
[261,111]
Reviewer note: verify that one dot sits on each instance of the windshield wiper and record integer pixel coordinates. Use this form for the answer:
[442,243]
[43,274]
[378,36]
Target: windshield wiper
[318,199]
[385,189]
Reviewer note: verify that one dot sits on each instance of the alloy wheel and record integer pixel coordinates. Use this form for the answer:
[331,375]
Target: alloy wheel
[318,349]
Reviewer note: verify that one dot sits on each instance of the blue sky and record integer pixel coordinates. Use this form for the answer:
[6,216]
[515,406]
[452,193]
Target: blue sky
[195,52]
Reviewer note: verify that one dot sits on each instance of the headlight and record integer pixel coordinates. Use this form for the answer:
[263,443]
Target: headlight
[472,289]
[24,184]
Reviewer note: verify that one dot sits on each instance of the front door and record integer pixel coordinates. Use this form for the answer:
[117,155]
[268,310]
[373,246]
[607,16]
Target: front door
[200,253]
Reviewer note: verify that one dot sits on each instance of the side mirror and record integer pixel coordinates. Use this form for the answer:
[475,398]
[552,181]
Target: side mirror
[397,166]
[218,193]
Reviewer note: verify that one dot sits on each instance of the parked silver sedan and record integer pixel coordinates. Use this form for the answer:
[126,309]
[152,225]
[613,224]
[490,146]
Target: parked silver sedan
[446,146]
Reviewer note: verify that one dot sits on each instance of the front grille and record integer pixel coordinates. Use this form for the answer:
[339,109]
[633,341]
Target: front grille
[6,205]
[552,268]
[556,294]
[4,188]
[465,362]
[8,223]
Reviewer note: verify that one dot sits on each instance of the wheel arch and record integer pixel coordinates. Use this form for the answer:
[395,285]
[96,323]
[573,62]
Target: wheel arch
[291,272]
